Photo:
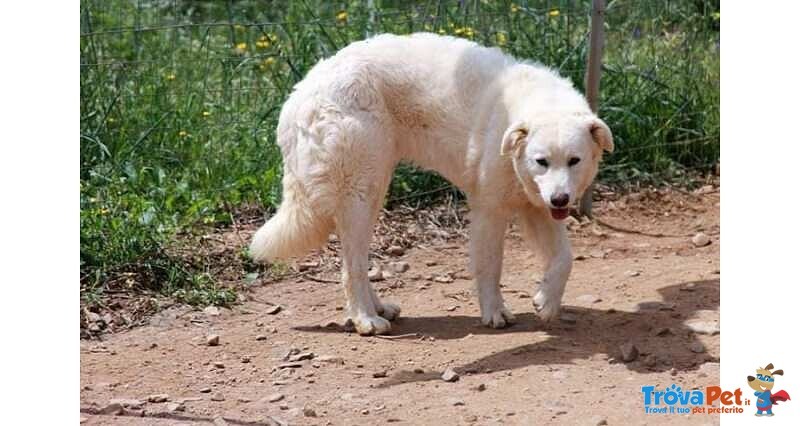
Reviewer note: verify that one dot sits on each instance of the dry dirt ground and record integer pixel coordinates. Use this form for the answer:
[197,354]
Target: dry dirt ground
[638,279]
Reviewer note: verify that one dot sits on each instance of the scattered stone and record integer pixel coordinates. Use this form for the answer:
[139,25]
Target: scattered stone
[158,398]
[211,311]
[365,411]
[689,287]
[112,409]
[471,418]
[243,399]
[400,267]
[701,240]
[220,421]
[309,412]
[376,273]
[302,356]
[450,375]
[588,299]
[673,371]
[274,309]
[205,390]
[419,371]
[629,352]
[218,397]
[331,359]
[396,251]
[218,364]
[457,402]
[600,422]
[173,407]
[480,388]
[569,318]
[133,404]
[304,266]
[380,374]
[275,397]
[697,347]
[444,279]
[703,327]
[245,359]
[650,360]
[212,340]
[430,263]
[451,308]
[633,274]
[290,365]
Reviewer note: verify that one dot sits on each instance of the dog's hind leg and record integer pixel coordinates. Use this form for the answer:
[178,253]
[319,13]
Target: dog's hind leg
[549,238]
[487,231]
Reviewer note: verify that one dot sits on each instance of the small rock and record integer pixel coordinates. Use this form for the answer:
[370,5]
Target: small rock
[218,364]
[218,397]
[396,251]
[480,388]
[304,266]
[457,402]
[133,404]
[379,374]
[689,287]
[450,375]
[331,359]
[274,309]
[650,360]
[568,318]
[400,267]
[365,411]
[205,390]
[261,337]
[173,407]
[703,327]
[600,422]
[112,409]
[629,352]
[158,398]
[430,263]
[471,418]
[275,397]
[212,340]
[376,273]
[663,331]
[302,356]
[673,371]
[309,412]
[588,299]
[419,371]
[633,273]
[220,421]
[697,347]
[245,359]
[211,311]
[701,240]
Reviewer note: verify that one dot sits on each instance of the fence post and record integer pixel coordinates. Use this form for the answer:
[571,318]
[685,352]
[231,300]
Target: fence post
[594,62]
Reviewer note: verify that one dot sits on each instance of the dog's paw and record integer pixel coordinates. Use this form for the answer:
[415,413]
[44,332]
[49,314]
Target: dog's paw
[367,325]
[547,308]
[498,318]
[389,310]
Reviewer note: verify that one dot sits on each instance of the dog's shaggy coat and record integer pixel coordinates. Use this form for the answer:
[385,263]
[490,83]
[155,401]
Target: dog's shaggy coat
[515,137]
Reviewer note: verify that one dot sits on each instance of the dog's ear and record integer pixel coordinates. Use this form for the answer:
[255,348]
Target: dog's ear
[750,378]
[514,138]
[601,134]
[777,373]
[769,366]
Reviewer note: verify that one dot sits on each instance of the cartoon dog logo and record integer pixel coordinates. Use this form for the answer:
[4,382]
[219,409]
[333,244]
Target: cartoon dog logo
[762,384]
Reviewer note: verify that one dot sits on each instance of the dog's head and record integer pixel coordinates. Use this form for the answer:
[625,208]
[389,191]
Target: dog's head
[765,379]
[556,159]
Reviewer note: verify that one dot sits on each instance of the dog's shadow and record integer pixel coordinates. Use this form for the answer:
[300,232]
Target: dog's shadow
[657,330]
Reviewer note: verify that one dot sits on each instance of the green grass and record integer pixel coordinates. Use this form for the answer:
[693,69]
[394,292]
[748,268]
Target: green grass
[179,101]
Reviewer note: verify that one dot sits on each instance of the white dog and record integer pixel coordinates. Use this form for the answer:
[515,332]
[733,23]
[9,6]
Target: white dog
[518,139]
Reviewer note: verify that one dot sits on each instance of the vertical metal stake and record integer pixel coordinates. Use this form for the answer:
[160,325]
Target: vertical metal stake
[594,63]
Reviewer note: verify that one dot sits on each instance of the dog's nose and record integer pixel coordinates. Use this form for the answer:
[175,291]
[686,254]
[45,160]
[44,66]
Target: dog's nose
[559,200]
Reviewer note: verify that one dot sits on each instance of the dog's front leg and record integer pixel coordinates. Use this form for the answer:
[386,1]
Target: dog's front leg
[486,255]
[550,239]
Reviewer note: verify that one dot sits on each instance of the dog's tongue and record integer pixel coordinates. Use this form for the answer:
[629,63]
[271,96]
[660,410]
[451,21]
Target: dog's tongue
[559,214]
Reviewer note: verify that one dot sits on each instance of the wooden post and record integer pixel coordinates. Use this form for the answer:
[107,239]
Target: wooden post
[594,62]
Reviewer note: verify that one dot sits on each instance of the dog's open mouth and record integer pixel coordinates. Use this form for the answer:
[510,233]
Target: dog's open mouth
[559,214]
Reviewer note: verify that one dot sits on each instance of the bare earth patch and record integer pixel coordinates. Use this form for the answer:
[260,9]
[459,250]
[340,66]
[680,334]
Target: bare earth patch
[641,308]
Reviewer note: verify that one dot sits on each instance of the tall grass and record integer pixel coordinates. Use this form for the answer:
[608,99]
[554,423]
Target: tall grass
[179,101]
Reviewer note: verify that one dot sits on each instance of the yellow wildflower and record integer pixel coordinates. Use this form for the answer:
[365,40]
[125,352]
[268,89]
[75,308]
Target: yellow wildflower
[459,31]
[341,16]
[262,44]
[267,63]
[170,76]
[183,133]
[554,12]
[715,15]
[442,31]
[241,47]
[206,113]
[238,27]
[104,211]
[514,8]
[501,39]
[111,119]
[469,32]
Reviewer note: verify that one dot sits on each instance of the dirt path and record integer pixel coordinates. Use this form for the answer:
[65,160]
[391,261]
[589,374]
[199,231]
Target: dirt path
[641,287]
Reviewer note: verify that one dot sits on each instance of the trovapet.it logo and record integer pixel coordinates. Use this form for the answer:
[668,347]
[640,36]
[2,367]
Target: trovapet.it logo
[674,400]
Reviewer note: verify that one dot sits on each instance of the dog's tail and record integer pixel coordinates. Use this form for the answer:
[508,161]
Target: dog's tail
[296,228]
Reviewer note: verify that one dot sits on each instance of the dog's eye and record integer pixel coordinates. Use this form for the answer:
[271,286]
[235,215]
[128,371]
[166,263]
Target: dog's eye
[542,162]
[573,161]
